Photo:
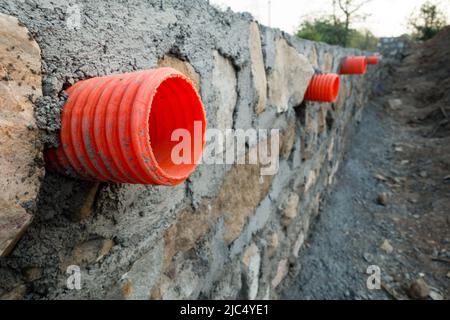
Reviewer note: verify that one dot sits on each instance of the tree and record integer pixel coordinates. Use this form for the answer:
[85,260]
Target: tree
[427,22]
[364,40]
[323,29]
[333,31]
[349,9]
[336,28]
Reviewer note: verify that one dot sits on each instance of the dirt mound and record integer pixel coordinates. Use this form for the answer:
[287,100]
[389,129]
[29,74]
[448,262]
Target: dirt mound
[433,56]
[424,76]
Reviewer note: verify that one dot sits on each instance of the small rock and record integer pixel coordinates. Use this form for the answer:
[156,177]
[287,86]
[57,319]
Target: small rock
[380,177]
[423,174]
[394,103]
[252,263]
[298,244]
[386,246]
[448,275]
[413,200]
[419,289]
[87,208]
[273,243]
[32,274]
[18,293]
[88,252]
[368,257]
[282,271]
[51,85]
[290,206]
[436,296]
[388,278]
[382,199]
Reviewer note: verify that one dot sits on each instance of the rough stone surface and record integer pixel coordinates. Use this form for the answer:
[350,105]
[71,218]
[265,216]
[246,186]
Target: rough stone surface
[289,78]
[290,208]
[182,66]
[258,70]
[281,272]
[20,151]
[138,282]
[419,289]
[224,79]
[252,262]
[298,244]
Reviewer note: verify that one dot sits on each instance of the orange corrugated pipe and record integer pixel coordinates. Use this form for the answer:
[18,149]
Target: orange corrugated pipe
[354,65]
[323,88]
[118,128]
[373,59]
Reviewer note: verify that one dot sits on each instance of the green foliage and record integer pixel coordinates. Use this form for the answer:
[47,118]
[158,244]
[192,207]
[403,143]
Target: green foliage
[333,31]
[364,40]
[324,30]
[427,22]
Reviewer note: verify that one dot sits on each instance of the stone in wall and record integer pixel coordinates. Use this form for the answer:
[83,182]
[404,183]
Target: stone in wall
[182,66]
[225,82]
[298,244]
[230,284]
[186,283]
[290,208]
[288,140]
[252,262]
[310,129]
[257,66]
[328,60]
[325,59]
[245,189]
[20,150]
[289,77]
[312,56]
[272,243]
[239,195]
[88,252]
[322,121]
[343,93]
[281,272]
[138,282]
[307,48]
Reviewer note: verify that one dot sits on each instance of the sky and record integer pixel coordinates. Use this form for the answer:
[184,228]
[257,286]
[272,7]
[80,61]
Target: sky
[386,18]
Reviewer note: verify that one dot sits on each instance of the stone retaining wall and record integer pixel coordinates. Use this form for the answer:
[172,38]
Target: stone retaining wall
[227,232]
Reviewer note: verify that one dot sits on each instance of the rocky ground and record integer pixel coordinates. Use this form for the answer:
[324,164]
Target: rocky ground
[390,204]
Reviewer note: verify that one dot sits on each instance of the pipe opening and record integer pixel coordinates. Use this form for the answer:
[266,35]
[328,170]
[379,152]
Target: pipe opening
[176,105]
[373,60]
[336,86]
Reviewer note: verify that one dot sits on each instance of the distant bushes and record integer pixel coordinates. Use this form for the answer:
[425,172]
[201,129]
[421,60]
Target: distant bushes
[335,32]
